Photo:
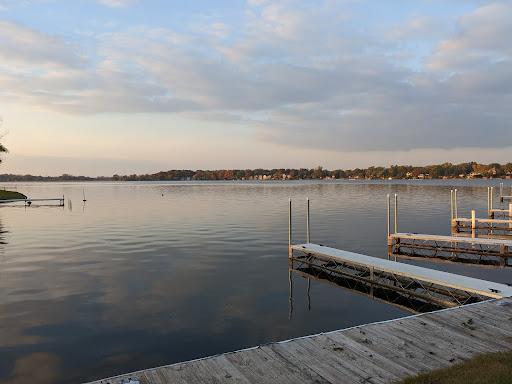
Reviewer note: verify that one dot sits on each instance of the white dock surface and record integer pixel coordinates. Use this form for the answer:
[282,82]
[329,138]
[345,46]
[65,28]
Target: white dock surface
[452,280]
[454,239]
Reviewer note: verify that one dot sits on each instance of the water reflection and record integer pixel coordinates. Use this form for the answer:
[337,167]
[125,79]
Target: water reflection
[396,298]
[156,273]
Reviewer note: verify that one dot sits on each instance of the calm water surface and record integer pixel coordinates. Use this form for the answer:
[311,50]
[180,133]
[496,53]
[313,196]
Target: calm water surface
[147,274]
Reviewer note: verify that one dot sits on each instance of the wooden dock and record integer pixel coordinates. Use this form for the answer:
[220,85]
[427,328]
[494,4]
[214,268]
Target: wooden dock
[377,353]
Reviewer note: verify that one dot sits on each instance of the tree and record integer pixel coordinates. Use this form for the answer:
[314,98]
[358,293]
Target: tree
[2,148]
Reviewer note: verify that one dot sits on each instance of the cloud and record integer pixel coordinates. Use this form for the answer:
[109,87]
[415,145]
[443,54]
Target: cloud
[481,39]
[118,3]
[299,76]
[24,50]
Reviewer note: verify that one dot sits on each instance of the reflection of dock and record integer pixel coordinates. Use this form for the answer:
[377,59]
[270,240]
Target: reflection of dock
[385,295]
[374,353]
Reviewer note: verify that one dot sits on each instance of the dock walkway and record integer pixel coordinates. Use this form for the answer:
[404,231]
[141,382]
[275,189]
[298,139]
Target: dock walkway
[477,250]
[377,353]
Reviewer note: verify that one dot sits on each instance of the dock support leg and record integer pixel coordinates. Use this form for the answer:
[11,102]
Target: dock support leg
[473,224]
[455,203]
[290,250]
[396,213]
[451,204]
[389,219]
[307,225]
[503,259]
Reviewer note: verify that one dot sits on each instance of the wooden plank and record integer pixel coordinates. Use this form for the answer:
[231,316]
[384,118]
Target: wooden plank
[292,365]
[470,284]
[273,367]
[343,342]
[153,377]
[478,332]
[300,356]
[334,355]
[442,334]
[448,346]
[429,354]
[250,369]
[226,370]
[400,355]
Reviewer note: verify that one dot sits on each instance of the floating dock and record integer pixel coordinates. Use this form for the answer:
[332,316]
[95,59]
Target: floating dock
[489,228]
[504,197]
[443,288]
[477,251]
[492,251]
[378,353]
[30,201]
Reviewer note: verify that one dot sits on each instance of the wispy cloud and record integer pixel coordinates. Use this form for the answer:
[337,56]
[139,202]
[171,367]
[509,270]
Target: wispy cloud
[303,76]
[118,3]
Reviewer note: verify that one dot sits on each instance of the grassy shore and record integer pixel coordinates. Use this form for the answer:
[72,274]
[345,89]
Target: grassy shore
[7,195]
[491,368]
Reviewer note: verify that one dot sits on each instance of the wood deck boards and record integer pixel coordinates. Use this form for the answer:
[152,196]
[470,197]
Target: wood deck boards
[374,353]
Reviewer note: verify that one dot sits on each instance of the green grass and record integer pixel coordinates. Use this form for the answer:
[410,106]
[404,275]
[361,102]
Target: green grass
[491,368]
[7,195]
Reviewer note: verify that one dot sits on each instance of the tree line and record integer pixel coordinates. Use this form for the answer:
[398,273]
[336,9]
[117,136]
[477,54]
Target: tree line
[438,171]
[445,170]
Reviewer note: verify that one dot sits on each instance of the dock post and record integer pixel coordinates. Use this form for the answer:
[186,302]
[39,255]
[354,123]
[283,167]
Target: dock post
[488,201]
[290,251]
[389,219]
[307,236]
[451,204]
[492,193]
[396,213]
[473,224]
[455,203]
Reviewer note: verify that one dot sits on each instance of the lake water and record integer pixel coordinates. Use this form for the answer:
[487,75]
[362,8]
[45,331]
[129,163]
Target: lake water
[147,274]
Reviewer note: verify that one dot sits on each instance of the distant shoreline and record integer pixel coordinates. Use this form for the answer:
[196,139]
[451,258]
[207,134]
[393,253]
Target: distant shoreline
[469,170]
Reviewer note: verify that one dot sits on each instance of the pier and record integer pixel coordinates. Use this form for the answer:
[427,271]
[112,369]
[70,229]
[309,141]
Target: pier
[30,201]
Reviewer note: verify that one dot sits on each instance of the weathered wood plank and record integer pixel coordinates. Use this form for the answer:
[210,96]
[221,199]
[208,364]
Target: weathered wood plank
[352,362]
[250,369]
[292,365]
[342,341]
[226,371]
[318,364]
[389,345]
[273,367]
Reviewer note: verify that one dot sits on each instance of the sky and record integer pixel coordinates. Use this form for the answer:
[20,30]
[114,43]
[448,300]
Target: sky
[99,87]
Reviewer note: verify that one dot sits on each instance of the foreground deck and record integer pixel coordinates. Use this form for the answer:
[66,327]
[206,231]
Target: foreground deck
[375,353]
